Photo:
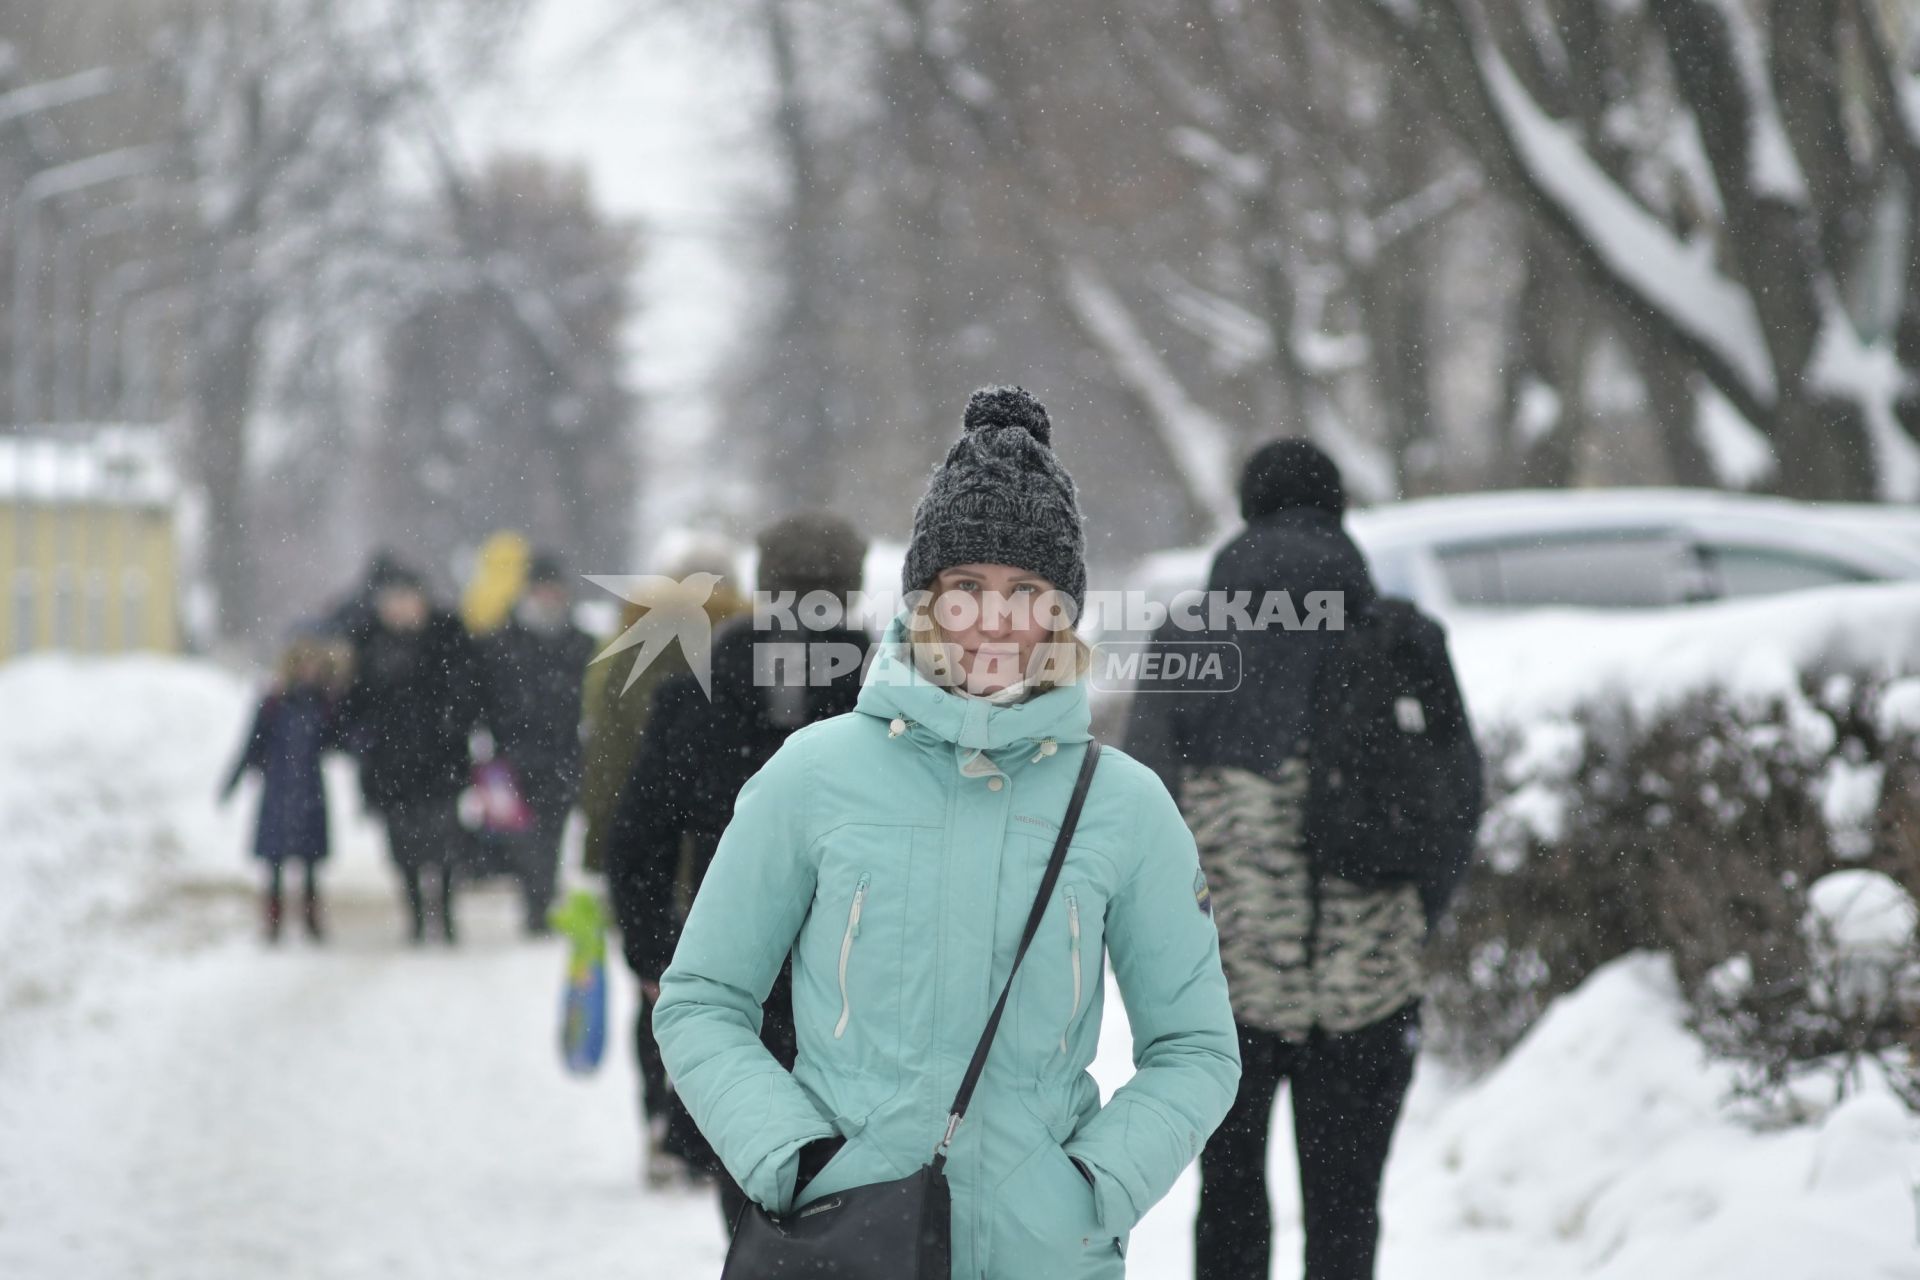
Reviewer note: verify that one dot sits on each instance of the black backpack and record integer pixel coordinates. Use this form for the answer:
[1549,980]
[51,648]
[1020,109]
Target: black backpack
[1395,784]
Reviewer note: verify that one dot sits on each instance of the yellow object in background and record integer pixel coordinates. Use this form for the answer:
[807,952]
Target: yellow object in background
[499,576]
[89,561]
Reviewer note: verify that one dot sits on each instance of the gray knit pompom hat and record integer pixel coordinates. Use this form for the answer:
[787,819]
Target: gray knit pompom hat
[1001,497]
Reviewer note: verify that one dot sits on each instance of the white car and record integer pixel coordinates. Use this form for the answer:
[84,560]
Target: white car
[1602,549]
[1627,548]
[1501,553]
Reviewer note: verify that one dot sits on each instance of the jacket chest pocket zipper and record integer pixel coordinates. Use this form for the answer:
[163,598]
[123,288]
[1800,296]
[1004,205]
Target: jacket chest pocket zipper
[1073,937]
[846,950]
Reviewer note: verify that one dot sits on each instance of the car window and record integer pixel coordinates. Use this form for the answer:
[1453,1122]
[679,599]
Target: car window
[1765,571]
[1599,572]
[1473,575]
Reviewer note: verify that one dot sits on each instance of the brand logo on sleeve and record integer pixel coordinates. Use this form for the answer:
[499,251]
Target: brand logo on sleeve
[1202,896]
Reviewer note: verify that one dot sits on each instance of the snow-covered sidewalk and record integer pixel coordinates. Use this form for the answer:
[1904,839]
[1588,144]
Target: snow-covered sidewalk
[219,1111]
[363,1110]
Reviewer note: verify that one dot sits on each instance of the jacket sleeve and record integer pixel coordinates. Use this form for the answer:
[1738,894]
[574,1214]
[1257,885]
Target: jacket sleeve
[1465,780]
[355,707]
[1186,1053]
[650,816]
[253,754]
[1155,733]
[481,671]
[749,910]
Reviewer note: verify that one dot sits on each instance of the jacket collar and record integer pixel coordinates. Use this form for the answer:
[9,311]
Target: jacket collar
[895,689]
[1299,518]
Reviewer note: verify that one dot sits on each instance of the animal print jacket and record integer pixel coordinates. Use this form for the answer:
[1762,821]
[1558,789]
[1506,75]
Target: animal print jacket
[1300,949]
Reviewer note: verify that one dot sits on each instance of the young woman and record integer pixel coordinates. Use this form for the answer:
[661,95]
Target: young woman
[896,852]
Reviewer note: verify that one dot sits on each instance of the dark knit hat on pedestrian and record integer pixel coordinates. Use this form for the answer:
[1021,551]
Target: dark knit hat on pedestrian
[1001,497]
[391,573]
[546,567]
[1290,473]
[811,551]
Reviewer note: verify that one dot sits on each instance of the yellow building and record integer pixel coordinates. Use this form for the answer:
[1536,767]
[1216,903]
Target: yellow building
[88,556]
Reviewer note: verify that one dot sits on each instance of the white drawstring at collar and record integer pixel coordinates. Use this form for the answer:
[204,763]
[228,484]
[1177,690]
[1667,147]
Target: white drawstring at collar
[1048,746]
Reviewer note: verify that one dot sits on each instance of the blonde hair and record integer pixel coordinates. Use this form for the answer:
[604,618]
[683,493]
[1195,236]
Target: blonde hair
[934,652]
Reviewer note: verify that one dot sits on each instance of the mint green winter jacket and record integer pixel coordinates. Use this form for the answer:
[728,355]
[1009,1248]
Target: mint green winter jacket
[896,852]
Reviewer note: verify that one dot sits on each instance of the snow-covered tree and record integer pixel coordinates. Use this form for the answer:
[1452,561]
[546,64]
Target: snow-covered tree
[505,403]
[1740,178]
[291,114]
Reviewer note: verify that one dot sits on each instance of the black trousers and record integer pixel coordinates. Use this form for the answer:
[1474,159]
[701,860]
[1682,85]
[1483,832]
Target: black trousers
[276,878]
[421,837]
[537,859]
[1347,1092]
[653,1072]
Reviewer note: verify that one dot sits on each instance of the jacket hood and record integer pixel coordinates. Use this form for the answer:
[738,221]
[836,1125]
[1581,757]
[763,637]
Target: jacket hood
[894,689]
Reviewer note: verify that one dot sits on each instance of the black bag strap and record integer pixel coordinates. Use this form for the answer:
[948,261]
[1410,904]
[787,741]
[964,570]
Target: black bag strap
[1047,882]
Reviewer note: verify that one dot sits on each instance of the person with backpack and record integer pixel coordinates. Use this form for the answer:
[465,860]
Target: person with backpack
[908,856]
[1333,795]
[695,754]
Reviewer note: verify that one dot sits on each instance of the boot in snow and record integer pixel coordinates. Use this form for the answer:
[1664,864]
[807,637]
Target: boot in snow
[273,912]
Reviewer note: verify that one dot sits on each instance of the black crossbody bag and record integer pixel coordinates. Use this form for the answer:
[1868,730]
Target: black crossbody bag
[899,1230]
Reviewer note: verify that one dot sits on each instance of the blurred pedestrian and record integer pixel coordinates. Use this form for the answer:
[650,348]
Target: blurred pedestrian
[1325,972]
[615,719]
[353,614]
[415,699]
[535,662]
[293,726]
[694,755]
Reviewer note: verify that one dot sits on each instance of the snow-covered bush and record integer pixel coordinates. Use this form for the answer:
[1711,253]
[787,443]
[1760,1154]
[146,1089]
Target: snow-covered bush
[1769,841]
[1860,929]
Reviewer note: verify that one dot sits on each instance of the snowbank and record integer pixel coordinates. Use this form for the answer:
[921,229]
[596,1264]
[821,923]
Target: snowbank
[1514,669]
[1603,1147]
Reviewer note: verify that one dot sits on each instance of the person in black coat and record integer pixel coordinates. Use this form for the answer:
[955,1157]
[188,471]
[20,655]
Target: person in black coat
[1325,974]
[293,726]
[694,756]
[535,664]
[415,699]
